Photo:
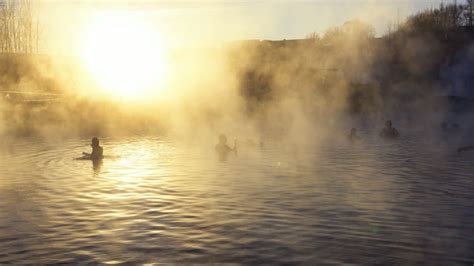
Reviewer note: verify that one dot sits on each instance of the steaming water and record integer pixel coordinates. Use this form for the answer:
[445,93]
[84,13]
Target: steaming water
[155,200]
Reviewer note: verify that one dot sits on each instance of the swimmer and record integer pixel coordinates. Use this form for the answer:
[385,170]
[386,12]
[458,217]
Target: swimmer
[97,151]
[353,135]
[389,131]
[450,127]
[223,149]
[467,148]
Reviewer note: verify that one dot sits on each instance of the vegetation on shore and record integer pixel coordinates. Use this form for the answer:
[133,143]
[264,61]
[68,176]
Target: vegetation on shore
[354,71]
[345,71]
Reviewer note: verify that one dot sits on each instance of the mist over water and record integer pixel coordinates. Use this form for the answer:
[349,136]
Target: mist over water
[296,190]
[161,200]
[296,90]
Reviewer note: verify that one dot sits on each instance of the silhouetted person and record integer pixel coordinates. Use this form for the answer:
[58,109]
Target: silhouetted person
[97,165]
[389,131]
[452,127]
[467,148]
[223,149]
[353,135]
[97,151]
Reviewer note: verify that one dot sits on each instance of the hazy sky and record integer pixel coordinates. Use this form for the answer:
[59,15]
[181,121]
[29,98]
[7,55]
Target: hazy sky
[207,21]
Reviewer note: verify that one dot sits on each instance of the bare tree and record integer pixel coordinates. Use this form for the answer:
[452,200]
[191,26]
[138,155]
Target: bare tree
[18,27]
[314,36]
[470,9]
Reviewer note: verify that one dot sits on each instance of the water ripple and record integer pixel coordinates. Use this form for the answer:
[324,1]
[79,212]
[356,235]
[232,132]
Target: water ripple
[157,201]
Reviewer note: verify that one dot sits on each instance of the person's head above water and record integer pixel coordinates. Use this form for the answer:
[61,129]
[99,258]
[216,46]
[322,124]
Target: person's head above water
[388,123]
[95,142]
[222,139]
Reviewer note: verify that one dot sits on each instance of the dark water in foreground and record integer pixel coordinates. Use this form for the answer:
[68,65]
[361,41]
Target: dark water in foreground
[155,201]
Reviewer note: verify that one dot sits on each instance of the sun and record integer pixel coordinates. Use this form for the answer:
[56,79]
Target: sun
[124,55]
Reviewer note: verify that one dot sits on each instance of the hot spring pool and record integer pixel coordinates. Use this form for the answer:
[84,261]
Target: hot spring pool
[155,200]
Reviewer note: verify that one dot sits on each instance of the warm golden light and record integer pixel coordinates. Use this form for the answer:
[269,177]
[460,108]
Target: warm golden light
[124,55]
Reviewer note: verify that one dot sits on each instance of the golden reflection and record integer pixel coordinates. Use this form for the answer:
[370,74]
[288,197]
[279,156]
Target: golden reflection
[135,161]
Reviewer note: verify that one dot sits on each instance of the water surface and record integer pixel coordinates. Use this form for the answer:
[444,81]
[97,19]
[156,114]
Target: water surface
[158,200]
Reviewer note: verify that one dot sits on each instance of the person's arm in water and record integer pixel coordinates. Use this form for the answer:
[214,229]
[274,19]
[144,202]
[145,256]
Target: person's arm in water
[468,148]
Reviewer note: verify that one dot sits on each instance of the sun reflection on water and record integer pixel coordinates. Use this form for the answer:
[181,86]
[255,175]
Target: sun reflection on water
[153,194]
[134,161]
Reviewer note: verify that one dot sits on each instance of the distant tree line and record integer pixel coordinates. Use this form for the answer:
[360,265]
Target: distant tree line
[355,30]
[19,27]
[446,18]
[347,68]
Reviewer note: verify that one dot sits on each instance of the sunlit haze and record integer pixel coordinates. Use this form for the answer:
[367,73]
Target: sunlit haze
[215,132]
[125,45]
[187,23]
[125,54]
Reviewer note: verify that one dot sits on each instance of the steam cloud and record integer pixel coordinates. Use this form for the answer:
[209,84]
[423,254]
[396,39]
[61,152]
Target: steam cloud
[299,91]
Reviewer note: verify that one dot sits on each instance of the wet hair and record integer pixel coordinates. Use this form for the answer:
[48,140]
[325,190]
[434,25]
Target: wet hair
[95,141]
[222,138]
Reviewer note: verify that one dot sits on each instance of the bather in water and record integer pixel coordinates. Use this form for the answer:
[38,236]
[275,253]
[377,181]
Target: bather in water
[97,151]
[222,149]
[467,148]
[389,131]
